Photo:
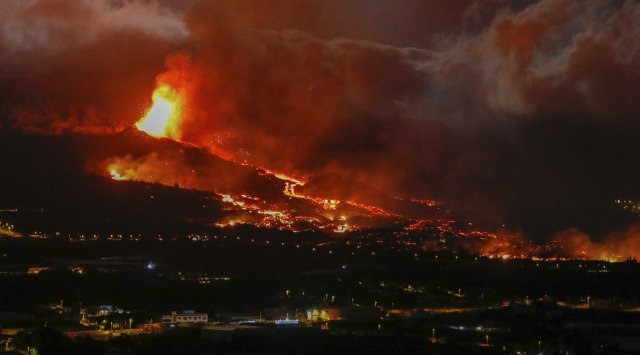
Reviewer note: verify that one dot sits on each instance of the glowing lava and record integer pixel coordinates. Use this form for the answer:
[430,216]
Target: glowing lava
[115,175]
[163,118]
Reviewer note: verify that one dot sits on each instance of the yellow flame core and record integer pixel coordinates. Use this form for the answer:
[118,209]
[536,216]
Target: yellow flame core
[115,175]
[163,118]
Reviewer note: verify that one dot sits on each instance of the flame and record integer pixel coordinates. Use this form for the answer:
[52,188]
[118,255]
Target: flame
[115,175]
[163,118]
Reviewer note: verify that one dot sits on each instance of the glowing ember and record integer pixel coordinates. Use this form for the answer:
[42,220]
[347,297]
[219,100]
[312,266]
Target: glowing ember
[376,211]
[341,228]
[330,204]
[163,118]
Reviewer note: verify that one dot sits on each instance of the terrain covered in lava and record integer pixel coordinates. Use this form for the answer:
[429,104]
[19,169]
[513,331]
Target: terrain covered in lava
[133,185]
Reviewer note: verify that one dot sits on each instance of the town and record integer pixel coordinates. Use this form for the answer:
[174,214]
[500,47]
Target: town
[237,294]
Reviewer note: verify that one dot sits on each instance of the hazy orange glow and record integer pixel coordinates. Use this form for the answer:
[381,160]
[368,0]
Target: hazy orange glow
[163,118]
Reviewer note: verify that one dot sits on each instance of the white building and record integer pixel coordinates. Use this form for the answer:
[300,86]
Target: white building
[186,317]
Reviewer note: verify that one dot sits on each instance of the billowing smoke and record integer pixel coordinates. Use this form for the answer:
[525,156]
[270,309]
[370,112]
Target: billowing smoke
[614,247]
[518,113]
[82,66]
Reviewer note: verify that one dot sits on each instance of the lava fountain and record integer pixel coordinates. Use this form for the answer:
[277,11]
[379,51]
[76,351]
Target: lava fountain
[163,118]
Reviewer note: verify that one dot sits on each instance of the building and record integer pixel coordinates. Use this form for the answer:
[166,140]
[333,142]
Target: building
[315,315]
[186,317]
[343,313]
[286,321]
[107,309]
[34,270]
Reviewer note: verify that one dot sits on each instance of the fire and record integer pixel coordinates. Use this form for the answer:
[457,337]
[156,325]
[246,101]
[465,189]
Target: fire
[115,175]
[163,118]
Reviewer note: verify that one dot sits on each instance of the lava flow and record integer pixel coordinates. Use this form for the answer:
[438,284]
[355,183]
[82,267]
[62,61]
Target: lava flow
[285,207]
[289,209]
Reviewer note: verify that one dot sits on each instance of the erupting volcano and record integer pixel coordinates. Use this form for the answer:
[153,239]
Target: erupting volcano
[253,195]
[435,176]
[264,198]
[485,130]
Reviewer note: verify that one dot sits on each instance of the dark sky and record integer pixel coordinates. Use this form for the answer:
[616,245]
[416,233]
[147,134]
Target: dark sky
[516,112]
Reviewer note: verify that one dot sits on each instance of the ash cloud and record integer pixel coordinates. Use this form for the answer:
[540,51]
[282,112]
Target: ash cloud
[520,113]
[81,65]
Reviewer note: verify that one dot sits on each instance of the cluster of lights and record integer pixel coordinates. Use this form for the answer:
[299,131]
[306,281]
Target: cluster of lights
[628,205]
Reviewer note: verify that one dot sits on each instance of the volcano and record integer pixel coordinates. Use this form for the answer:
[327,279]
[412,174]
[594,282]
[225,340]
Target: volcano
[83,179]
[134,184]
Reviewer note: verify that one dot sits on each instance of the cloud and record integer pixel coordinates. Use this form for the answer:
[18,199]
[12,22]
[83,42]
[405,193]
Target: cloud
[81,65]
[552,58]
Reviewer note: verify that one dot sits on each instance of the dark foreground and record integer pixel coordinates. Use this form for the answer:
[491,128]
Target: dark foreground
[108,297]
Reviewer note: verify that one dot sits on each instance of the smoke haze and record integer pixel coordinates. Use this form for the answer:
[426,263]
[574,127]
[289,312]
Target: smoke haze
[518,113]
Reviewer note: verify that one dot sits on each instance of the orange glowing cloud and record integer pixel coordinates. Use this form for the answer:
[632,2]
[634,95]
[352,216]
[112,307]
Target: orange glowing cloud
[613,247]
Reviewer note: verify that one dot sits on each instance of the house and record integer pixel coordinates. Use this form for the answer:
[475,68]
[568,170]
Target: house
[186,317]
